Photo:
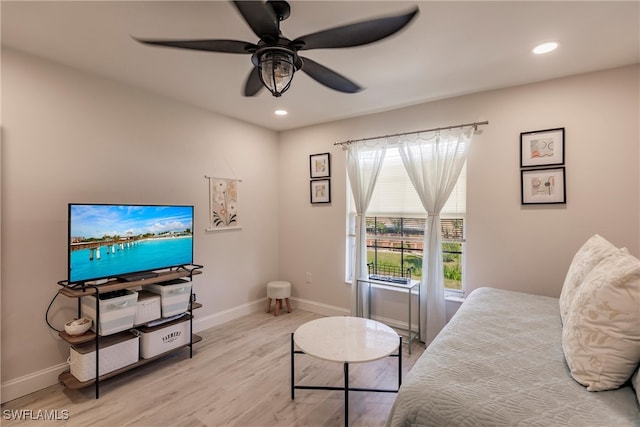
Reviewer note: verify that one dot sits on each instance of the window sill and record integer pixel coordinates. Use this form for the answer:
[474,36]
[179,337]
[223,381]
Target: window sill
[454,297]
[451,296]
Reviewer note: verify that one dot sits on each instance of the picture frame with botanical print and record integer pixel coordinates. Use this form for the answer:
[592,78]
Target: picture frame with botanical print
[320,191]
[543,186]
[542,148]
[320,165]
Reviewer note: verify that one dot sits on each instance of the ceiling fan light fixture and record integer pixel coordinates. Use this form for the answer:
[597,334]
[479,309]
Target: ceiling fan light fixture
[277,67]
[275,58]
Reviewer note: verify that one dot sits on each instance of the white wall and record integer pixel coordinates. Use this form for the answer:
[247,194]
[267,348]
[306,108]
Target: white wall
[72,137]
[509,246]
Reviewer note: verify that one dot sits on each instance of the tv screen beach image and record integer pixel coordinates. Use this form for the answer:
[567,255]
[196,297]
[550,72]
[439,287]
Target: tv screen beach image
[110,240]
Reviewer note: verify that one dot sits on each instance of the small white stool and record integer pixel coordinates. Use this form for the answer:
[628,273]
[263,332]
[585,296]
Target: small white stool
[278,290]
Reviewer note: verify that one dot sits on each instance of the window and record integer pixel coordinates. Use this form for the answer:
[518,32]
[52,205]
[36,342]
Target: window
[396,222]
[395,244]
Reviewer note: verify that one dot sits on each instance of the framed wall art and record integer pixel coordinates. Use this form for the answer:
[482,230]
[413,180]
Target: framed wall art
[320,165]
[223,203]
[542,148]
[543,186]
[321,191]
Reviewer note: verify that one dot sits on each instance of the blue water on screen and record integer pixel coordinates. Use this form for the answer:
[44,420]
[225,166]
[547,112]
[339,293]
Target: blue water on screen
[145,255]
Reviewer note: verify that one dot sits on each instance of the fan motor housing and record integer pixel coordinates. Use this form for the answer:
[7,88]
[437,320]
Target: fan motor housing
[280,8]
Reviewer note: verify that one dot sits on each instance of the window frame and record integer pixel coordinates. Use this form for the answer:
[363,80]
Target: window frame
[446,214]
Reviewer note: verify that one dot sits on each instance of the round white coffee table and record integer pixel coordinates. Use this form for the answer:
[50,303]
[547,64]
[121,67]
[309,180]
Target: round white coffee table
[345,340]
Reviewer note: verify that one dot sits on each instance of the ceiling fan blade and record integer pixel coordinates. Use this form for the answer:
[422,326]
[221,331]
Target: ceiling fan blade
[260,18]
[253,84]
[226,46]
[328,77]
[355,34]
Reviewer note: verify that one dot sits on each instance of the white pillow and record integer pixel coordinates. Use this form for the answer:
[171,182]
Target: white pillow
[588,256]
[601,335]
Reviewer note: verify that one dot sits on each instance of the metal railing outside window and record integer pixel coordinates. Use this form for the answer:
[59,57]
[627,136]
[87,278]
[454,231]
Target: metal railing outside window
[396,244]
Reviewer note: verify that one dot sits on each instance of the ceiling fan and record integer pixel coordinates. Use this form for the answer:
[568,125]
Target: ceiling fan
[275,58]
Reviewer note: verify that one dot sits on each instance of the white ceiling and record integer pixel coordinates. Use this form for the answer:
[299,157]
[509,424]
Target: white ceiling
[452,48]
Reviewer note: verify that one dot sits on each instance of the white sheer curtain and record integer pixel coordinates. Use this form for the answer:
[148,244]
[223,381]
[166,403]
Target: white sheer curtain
[433,162]
[364,161]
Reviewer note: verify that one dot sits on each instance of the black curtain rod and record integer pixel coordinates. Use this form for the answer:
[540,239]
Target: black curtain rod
[474,124]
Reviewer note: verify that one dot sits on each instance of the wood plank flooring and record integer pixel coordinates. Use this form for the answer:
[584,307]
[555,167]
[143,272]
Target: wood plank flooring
[239,376]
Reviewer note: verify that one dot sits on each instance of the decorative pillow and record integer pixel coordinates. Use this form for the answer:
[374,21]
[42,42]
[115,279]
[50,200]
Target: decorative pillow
[588,256]
[601,335]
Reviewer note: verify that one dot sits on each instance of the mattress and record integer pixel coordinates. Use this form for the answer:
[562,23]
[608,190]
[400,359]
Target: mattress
[499,362]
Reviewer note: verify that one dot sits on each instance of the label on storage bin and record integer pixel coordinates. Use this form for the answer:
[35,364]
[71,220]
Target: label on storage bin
[173,336]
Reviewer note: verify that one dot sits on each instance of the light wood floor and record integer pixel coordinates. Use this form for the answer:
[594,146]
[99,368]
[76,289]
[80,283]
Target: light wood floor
[239,376]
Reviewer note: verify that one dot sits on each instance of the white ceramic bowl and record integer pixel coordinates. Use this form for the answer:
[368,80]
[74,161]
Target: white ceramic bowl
[78,326]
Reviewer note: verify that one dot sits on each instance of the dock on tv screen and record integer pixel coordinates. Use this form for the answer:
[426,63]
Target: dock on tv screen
[107,241]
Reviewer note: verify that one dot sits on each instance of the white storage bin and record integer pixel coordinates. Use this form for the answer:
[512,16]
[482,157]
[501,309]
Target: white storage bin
[162,338]
[147,307]
[174,296]
[117,311]
[116,351]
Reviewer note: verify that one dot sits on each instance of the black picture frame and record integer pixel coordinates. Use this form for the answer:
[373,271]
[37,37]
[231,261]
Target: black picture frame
[542,148]
[543,186]
[320,165]
[320,191]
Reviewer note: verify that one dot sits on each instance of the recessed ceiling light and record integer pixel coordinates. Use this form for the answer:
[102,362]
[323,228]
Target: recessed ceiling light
[545,48]
[280,112]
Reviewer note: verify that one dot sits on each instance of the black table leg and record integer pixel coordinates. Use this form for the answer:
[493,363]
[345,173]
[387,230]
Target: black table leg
[400,363]
[346,394]
[292,369]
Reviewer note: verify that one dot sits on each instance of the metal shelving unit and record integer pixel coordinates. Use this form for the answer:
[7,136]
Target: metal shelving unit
[82,290]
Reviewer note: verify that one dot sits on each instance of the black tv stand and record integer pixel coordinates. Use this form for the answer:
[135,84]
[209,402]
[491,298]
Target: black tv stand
[134,277]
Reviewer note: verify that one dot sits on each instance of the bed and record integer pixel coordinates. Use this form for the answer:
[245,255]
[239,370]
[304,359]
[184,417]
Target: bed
[500,362]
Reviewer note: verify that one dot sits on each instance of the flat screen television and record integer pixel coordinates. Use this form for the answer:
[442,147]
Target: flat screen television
[127,242]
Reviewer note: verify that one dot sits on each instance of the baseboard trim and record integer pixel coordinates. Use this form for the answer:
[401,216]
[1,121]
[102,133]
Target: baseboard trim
[319,308]
[29,383]
[215,319]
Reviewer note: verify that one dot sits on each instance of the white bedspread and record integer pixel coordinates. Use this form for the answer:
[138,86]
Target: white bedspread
[499,362]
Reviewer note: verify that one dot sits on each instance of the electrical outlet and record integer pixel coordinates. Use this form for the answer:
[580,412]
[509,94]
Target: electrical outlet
[307,277]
